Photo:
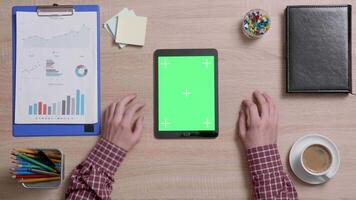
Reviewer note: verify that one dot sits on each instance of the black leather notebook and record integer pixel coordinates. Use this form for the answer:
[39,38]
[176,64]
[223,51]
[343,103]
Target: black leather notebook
[319,48]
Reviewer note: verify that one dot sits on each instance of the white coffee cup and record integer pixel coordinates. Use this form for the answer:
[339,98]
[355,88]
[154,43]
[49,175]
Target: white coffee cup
[314,172]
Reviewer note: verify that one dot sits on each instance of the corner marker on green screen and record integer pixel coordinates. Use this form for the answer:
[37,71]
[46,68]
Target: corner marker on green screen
[186,93]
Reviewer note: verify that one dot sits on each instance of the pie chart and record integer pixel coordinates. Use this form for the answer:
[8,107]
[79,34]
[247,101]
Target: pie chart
[81,71]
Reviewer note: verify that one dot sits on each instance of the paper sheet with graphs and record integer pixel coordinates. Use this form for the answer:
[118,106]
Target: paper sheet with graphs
[56,69]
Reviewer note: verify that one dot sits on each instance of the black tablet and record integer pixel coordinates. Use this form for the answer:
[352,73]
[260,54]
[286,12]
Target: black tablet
[186,93]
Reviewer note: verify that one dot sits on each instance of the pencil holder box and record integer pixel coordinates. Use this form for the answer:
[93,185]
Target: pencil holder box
[53,184]
[49,184]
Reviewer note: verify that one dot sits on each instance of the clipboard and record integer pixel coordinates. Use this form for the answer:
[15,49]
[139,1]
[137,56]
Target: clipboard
[30,130]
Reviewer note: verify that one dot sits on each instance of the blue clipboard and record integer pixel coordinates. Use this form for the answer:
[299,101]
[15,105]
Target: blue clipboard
[30,130]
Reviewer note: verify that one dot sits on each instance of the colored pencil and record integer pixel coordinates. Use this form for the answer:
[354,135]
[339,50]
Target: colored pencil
[55,160]
[38,171]
[52,154]
[34,180]
[23,167]
[31,171]
[35,162]
[31,176]
[22,173]
[16,158]
[26,151]
[49,154]
[34,157]
[22,162]
[29,166]
[33,151]
[19,169]
[29,155]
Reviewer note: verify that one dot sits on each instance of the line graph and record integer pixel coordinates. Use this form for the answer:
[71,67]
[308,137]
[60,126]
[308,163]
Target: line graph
[71,39]
[31,69]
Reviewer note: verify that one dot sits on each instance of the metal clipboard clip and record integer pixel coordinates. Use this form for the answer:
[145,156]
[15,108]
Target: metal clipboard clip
[55,10]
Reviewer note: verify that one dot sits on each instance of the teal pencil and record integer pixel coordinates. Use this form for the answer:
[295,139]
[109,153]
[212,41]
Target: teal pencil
[35,162]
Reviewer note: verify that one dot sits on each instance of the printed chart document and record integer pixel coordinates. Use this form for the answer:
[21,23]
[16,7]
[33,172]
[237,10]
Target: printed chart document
[56,69]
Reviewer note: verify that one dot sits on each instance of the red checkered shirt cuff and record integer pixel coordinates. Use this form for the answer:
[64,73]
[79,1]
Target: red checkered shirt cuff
[264,159]
[107,156]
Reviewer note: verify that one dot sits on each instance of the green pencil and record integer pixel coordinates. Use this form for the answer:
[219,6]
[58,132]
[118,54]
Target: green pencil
[35,162]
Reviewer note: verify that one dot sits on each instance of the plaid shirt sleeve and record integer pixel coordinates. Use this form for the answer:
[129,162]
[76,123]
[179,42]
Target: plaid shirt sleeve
[268,178]
[93,178]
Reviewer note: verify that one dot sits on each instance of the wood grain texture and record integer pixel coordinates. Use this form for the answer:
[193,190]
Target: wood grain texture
[192,169]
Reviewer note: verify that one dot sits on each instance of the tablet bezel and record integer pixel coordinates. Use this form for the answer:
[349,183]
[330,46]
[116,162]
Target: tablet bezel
[185,134]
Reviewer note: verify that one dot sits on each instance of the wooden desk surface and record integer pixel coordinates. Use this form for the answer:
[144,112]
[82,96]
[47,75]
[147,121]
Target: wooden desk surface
[192,169]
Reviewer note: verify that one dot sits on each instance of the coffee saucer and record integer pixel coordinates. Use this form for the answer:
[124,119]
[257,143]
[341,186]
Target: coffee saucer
[297,150]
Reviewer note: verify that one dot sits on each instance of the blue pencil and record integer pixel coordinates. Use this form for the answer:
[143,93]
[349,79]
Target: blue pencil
[20,169]
[23,173]
[22,161]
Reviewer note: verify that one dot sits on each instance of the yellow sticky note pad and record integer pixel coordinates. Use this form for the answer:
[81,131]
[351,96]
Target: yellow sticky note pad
[131,30]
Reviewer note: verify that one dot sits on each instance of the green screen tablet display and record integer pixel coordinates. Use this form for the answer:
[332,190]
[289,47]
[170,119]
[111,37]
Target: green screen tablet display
[186,93]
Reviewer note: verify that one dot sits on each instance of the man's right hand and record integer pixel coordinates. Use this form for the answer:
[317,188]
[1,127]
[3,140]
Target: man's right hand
[258,121]
[123,125]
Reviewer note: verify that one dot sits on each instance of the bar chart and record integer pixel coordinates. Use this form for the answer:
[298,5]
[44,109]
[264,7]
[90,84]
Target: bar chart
[69,105]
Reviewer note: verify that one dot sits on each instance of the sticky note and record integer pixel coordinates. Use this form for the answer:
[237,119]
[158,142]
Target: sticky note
[131,30]
[111,24]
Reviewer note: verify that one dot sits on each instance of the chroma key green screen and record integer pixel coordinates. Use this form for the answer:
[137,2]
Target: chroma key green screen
[186,94]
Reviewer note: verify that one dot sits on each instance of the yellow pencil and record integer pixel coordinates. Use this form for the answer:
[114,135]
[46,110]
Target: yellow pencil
[34,180]
[49,153]
[33,156]
[31,151]
[52,155]
[55,160]
[29,155]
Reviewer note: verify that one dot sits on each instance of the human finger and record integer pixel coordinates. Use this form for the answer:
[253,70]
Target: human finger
[111,110]
[120,107]
[247,114]
[271,105]
[130,112]
[242,124]
[105,120]
[251,108]
[262,104]
[138,128]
